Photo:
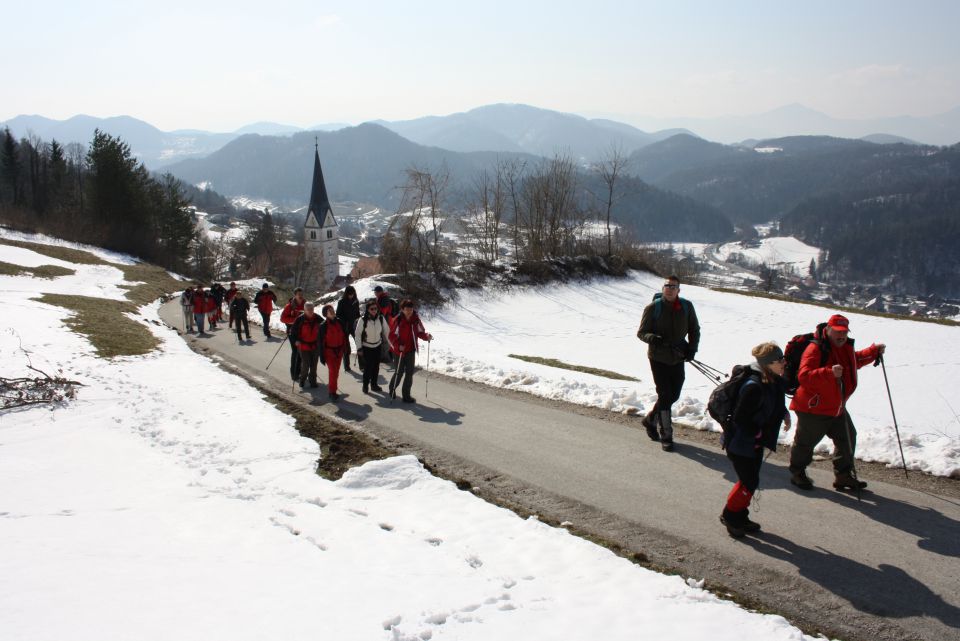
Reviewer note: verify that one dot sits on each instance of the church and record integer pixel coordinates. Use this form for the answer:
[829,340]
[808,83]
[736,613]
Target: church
[320,238]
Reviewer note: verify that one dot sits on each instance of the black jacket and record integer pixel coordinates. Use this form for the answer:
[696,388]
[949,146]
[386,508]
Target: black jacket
[757,416]
[239,307]
[348,311]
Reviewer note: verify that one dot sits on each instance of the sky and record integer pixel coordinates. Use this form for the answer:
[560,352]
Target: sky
[221,65]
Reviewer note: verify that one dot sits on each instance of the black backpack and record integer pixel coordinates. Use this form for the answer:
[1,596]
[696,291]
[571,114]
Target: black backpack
[658,305]
[793,354]
[723,399]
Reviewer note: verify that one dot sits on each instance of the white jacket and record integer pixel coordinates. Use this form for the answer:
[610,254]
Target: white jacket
[377,332]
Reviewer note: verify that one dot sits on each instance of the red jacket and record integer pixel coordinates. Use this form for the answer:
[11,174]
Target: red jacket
[202,302]
[306,331]
[230,294]
[404,333]
[819,391]
[291,311]
[265,299]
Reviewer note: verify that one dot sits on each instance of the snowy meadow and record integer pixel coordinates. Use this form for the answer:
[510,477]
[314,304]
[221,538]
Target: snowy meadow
[171,501]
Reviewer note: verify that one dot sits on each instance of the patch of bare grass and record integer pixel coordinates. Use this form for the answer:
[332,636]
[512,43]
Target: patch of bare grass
[553,362]
[105,325]
[55,251]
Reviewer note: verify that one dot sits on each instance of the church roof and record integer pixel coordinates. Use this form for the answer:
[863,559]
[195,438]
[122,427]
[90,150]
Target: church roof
[319,201]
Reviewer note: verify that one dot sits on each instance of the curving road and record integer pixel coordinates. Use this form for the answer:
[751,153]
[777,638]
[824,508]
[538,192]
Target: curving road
[887,567]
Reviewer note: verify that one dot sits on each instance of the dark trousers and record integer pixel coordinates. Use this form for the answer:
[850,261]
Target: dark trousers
[669,381]
[346,356]
[266,323]
[308,366]
[242,320]
[371,364]
[811,428]
[747,469]
[294,359]
[405,368]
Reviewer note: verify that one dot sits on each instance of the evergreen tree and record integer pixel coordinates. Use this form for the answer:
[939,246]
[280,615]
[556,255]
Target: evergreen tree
[175,226]
[9,169]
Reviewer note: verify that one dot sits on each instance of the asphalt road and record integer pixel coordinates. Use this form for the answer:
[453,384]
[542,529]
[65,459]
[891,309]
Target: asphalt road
[886,567]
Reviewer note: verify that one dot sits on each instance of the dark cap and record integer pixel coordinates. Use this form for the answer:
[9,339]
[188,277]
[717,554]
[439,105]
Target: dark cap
[265,286]
[378,289]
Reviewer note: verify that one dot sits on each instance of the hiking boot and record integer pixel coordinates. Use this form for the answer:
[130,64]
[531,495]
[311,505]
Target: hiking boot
[409,399]
[376,388]
[666,446]
[366,388]
[334,396]
[651,427]
[734,523]
[303,384]
[313,385]
[666,427]
[747,524]
[801,480]
[846,481]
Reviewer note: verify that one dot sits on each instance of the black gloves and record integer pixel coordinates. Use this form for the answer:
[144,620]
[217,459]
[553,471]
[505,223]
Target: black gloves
[657,341]
[689,354]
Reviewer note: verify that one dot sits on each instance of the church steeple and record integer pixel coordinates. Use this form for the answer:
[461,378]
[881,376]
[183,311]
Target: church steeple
[319,201]
[321,262]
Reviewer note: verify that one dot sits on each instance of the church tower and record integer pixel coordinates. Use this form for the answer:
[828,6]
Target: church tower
[320,238]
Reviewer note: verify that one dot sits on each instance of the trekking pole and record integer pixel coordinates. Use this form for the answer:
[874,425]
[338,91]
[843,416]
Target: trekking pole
[713,377]
[394,381]
[426,375]
[275,355]
[846,425]
[709,368]
[893,412]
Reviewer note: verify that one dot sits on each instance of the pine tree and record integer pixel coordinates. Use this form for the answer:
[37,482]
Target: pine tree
[9,169]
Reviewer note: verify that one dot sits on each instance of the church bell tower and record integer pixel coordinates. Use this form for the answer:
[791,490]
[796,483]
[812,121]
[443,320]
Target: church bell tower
[321,237]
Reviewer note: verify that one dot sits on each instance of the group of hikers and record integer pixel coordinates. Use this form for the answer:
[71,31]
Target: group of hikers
[822,367]
[385,331]
[199,306]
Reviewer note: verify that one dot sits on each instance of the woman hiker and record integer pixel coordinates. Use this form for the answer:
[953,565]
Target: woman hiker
[331,346]
[756,422]
[370,334]
[405,329]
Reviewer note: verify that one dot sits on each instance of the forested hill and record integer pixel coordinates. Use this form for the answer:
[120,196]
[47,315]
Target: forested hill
[903,226]
[762,183]
[368,163]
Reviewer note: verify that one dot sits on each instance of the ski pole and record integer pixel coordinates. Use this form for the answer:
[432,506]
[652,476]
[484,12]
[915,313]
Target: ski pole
[893,412]
[846,425]
[275,354]
[713,378]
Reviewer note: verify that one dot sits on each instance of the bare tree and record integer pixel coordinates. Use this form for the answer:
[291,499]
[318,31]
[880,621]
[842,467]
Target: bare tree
[610,169]
[409,242]
[485,213]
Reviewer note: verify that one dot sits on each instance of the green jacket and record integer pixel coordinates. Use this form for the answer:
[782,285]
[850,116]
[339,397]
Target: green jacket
[680,331]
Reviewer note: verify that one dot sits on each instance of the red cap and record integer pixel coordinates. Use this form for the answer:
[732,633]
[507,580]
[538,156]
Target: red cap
[839,323]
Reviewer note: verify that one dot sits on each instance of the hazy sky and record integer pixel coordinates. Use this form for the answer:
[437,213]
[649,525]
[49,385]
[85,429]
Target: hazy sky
[221,65]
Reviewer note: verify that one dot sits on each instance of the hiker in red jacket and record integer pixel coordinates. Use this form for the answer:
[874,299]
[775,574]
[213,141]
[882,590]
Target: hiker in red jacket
[265,300]
[333,344]
[201,301]
[405,329]
[291,312]
[306,330]
[821,403]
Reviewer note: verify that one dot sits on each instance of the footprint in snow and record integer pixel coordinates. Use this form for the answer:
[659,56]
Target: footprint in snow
[434,541]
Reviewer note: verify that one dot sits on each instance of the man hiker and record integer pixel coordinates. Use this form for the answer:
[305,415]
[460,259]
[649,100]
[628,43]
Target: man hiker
[201,301]
[291,312]
[670,328]
[239,306]
[821,402]
[405,329]
[306,330]
[186,304]
[388,310]
[228,299]
[265,300]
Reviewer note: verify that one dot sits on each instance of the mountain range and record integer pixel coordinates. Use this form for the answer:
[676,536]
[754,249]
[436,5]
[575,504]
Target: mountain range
[509,128]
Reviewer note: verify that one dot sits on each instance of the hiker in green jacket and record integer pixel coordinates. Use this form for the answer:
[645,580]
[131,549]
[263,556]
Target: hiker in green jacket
[669,326]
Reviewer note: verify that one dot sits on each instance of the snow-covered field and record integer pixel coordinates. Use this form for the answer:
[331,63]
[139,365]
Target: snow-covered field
[170,501]
[779,251]
[595,324]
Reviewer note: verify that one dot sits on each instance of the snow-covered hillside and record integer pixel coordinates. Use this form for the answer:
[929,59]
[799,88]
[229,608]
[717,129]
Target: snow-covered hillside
[778,252]
[171,501]
[595,323]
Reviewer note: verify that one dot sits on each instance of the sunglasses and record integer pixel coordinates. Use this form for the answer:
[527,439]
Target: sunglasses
[671,286]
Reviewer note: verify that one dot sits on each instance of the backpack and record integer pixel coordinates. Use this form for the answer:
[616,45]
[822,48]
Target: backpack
[723,399]
[793,353]
[658,305]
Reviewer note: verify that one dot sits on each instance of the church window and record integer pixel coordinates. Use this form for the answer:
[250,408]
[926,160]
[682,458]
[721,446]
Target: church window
[313,235]
[329,234]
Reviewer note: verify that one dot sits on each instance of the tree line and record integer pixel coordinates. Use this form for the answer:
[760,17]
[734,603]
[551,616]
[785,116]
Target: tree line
[99,195]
